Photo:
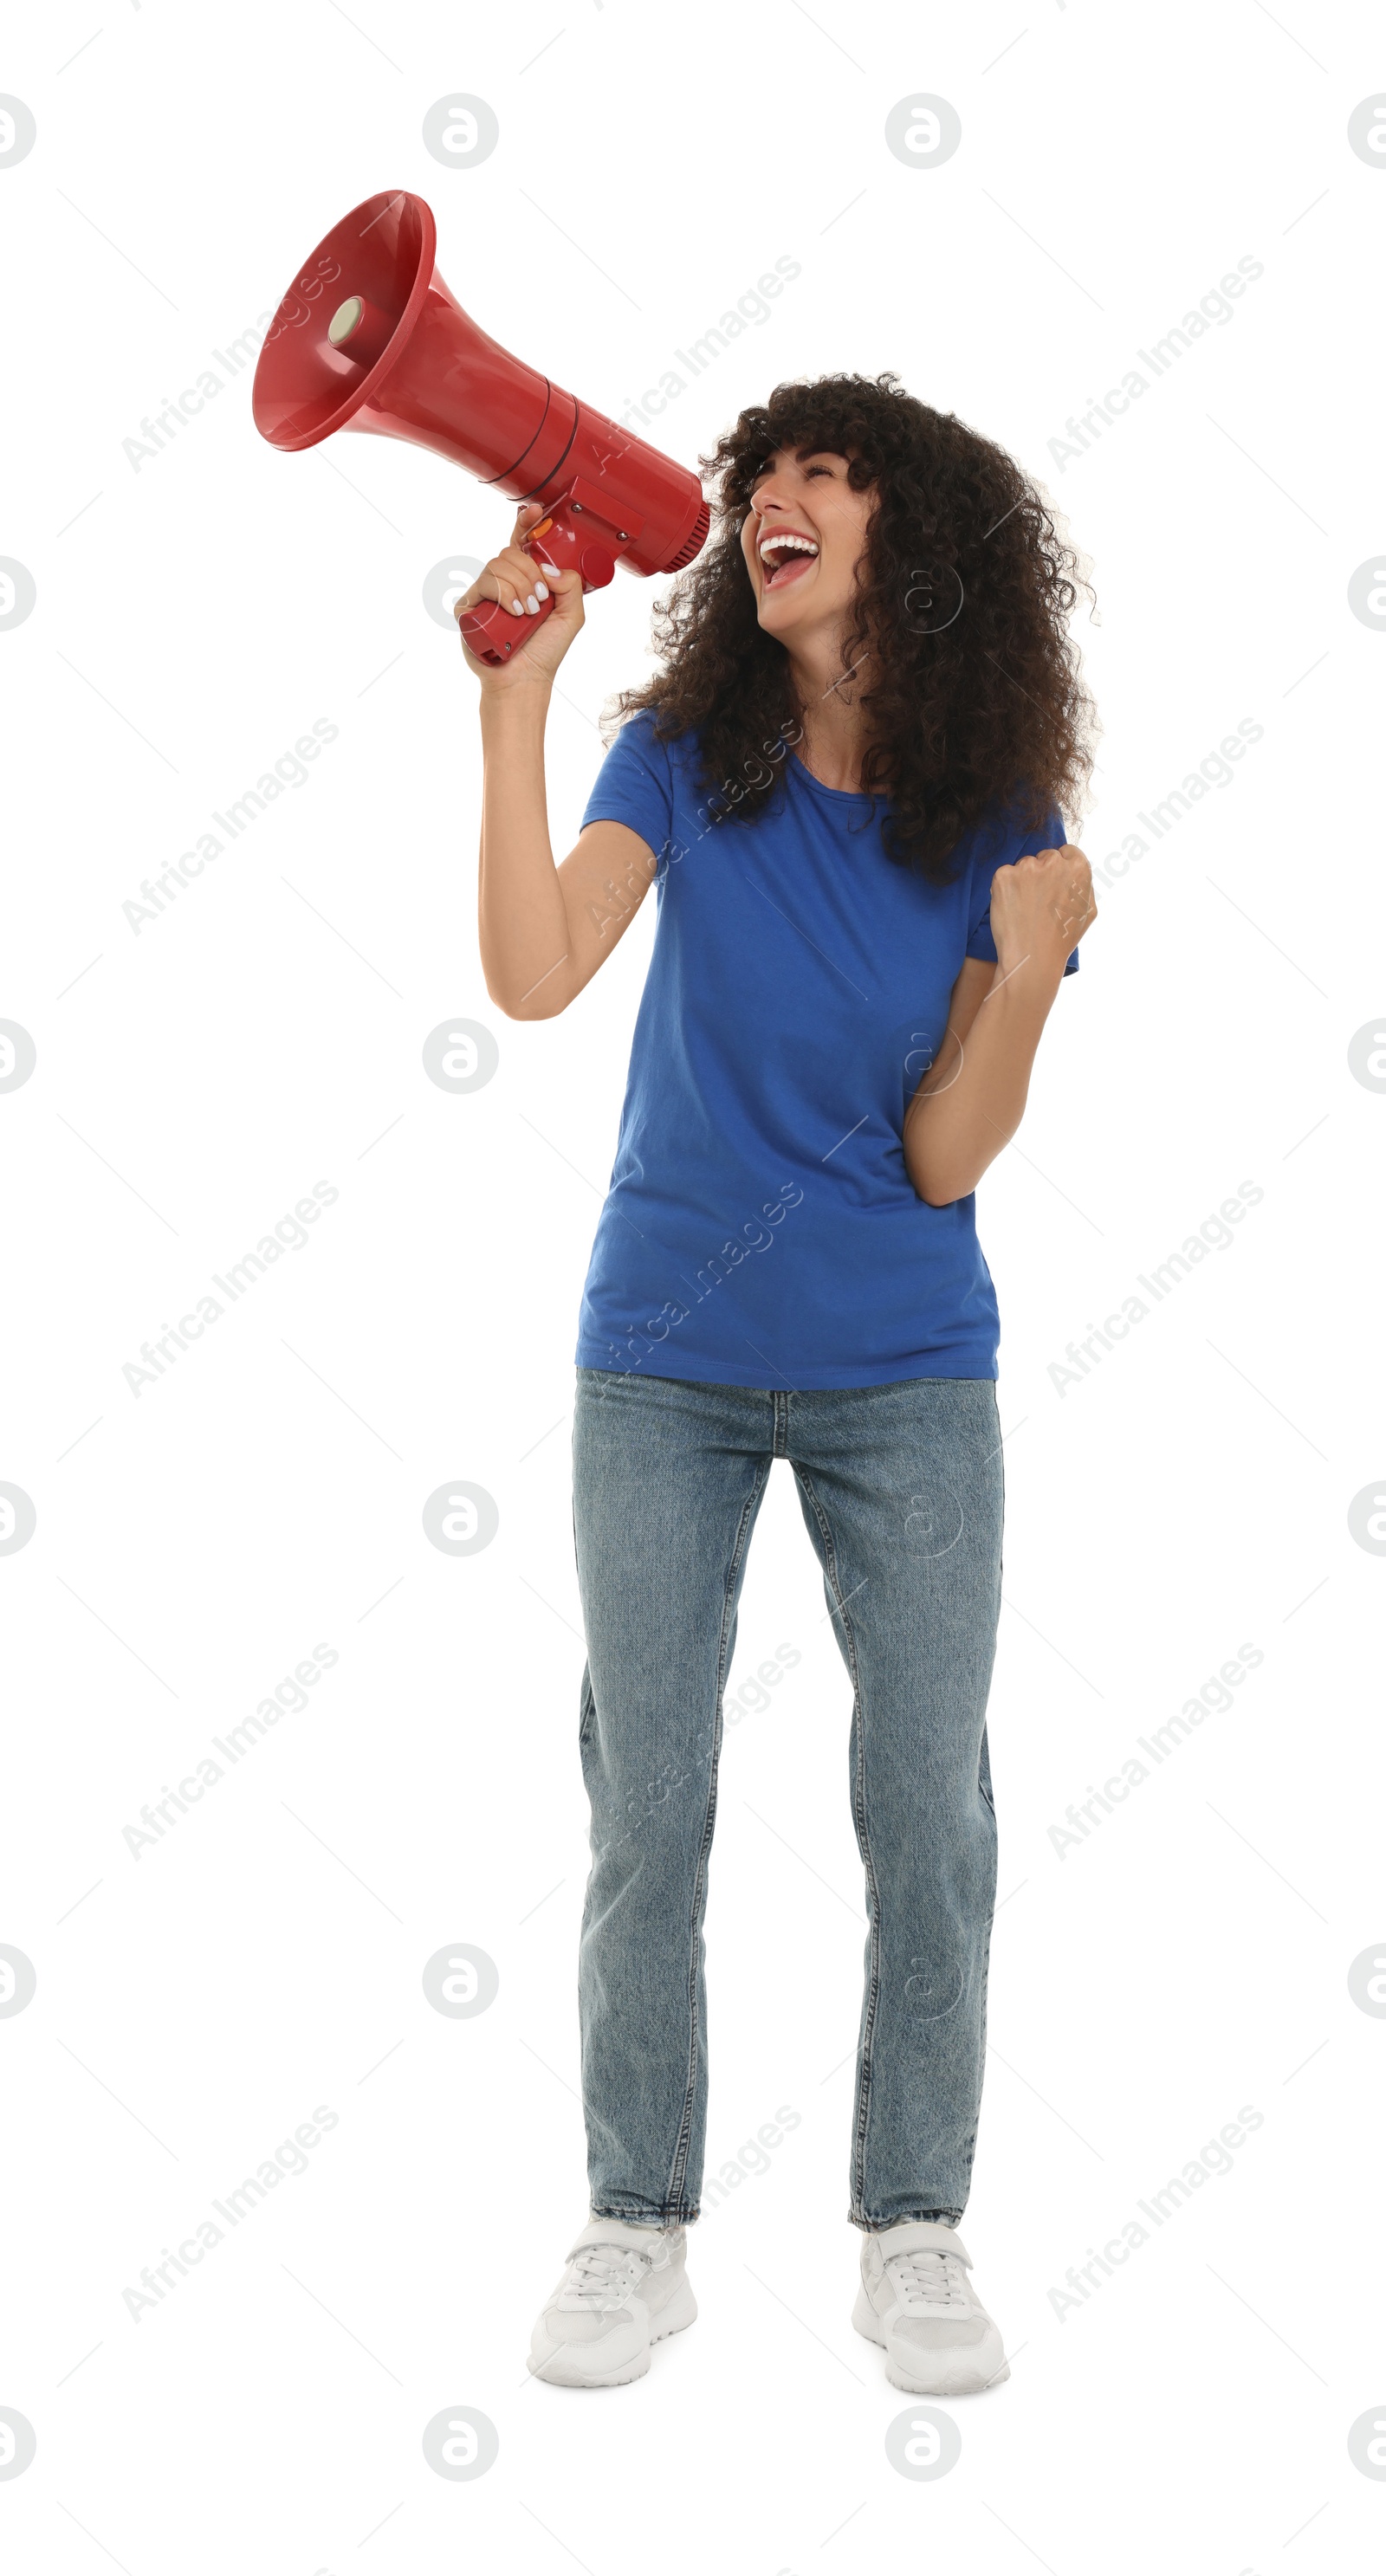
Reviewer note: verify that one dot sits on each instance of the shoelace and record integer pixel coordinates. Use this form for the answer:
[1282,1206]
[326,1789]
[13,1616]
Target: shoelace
[930,2280]
[603,2273]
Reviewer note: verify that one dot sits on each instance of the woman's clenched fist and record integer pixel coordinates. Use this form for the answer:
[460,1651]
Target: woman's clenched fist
[1040,908]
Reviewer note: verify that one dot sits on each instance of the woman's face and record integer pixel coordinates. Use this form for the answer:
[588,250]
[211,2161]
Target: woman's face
[804,587]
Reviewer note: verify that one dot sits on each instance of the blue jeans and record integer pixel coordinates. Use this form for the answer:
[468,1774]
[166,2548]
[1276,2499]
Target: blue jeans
[901,1488]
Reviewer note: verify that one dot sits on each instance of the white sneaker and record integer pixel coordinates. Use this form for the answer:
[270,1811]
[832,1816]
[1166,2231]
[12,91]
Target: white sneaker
[917,2300]
[624,2289]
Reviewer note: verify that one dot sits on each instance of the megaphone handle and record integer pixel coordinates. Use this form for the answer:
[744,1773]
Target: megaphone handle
[493,633]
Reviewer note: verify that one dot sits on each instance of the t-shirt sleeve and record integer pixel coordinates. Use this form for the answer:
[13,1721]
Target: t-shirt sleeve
[1050,836]
[634,786]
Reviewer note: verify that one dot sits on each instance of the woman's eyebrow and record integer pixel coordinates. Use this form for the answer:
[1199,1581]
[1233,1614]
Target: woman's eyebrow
[802,456]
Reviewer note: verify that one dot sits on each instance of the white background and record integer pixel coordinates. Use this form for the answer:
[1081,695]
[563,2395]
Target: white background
[195,613]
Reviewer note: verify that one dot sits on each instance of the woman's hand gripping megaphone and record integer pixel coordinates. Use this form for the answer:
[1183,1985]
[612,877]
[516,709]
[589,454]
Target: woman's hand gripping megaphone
[531,595]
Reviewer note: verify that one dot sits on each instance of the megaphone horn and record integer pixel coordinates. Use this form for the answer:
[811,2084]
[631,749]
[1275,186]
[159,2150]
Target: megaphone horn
[369,337]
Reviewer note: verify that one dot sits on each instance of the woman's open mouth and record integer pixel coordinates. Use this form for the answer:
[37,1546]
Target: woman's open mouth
[786,557]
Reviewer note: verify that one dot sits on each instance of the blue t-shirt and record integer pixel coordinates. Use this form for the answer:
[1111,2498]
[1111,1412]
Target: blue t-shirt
[761,1228]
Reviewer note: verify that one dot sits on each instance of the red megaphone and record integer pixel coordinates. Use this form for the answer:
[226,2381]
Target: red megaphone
[369,337]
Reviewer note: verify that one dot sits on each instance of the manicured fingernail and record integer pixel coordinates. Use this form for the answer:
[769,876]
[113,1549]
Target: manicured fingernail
[541,590]
[531,606]
[515,608]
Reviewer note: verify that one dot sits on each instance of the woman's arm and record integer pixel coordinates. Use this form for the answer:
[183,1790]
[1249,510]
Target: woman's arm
[544,930]
[972,1099]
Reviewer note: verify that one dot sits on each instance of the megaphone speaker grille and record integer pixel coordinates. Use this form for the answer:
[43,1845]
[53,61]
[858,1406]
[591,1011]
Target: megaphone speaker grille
[693,543]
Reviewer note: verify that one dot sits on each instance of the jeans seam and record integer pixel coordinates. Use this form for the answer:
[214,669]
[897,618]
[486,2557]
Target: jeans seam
[970,2151]
[911,2218]
[989,1795]
[744,1526]
[679,2217]
[873,1980]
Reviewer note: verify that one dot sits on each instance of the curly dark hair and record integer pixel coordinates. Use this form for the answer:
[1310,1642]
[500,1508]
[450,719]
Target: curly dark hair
[975,712]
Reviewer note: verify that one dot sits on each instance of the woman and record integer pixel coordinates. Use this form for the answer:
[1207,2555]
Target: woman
[846,783]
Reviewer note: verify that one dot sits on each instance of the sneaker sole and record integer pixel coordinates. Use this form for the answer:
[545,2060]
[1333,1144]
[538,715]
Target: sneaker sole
[562,2369]
[958,2371]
